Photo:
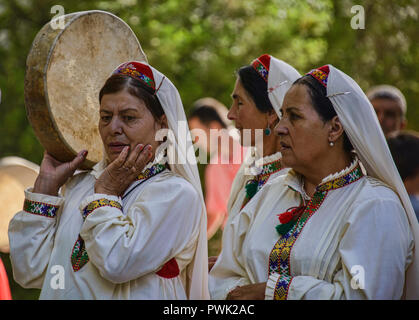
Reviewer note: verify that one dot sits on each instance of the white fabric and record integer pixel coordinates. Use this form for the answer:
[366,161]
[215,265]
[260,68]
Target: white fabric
[363,129]
[361,224]
[181,158]
[125,249]
[280,78]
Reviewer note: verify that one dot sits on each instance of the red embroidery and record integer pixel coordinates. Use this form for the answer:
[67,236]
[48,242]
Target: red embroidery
[169,270]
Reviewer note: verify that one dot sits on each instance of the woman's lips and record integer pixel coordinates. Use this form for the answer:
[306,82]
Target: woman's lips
[284,147]
[116,147]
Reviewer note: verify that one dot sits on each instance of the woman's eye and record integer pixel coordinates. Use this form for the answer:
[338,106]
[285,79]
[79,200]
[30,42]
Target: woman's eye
[105,118]
[293,116]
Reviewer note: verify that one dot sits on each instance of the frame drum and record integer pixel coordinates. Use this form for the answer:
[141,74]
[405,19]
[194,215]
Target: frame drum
[16,174]
[65,70]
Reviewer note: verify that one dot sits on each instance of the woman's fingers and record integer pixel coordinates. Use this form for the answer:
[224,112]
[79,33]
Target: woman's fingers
[143,158]
[77,161]
[132,158]
[120,160]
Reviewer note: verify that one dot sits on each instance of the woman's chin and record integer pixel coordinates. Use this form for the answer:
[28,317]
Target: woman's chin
[286,160]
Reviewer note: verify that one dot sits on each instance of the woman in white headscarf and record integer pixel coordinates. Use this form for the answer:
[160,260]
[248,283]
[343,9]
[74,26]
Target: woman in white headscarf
[134,227]
[341,225]
[257,97]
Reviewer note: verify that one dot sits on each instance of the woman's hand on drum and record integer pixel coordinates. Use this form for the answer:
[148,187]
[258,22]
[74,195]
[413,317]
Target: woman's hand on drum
[53,173]
[119,174]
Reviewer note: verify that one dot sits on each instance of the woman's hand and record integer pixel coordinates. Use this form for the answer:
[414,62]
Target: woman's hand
[249,292]
[120,173]
[53,173]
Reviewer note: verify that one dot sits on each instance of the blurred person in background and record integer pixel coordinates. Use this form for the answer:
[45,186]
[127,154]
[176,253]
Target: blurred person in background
[210,116]
[390,105]
[405,151]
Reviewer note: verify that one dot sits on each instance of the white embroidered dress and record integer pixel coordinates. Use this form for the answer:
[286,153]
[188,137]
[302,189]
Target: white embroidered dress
[126,248]
[354,223]
[160,227]
[268,168]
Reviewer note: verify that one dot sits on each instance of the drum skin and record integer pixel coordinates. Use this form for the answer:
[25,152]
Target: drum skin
[65,70]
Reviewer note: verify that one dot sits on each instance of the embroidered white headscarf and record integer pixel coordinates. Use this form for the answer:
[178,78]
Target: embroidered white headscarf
[280,76]
[361,125]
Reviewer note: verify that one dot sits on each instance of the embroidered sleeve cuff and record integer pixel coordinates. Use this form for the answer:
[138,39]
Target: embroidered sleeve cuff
[277,287]
[97,200]
[41,204]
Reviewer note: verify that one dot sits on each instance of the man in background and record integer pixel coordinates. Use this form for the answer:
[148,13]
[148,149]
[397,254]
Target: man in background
[390,105]
[209,117]
[404,148]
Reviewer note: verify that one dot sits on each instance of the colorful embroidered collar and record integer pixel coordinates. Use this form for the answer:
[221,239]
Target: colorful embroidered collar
[288,218]
[152,171]
[293,222]
[254,185]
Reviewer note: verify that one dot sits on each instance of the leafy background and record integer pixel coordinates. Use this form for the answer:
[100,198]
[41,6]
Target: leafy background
[199,45]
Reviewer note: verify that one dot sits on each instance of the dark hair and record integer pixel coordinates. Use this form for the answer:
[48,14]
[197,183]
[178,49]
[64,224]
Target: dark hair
[118,82]
[322,104]
[207,114]
[256,87]
[405,151]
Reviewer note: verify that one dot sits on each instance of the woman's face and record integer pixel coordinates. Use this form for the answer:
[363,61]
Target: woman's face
[246,116]
[126,121]
[304,137]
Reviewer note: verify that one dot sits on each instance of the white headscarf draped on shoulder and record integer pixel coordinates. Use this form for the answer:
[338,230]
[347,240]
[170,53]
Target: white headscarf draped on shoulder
[279,76]
[361,125]
[181,159]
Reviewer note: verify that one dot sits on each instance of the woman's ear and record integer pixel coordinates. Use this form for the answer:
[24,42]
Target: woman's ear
[163,122]
[336,129]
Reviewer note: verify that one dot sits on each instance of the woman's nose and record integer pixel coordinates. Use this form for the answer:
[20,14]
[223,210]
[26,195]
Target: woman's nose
[116,126]
[280,129]
[231,115]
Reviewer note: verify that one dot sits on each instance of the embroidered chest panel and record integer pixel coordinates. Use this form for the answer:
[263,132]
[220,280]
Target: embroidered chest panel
[279,258]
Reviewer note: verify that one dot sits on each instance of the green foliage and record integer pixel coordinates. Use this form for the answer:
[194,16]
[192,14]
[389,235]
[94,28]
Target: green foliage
[199,44]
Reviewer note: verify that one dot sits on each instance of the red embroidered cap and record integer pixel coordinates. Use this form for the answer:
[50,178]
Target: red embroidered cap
[261,65]
[138,71]
[320,74]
